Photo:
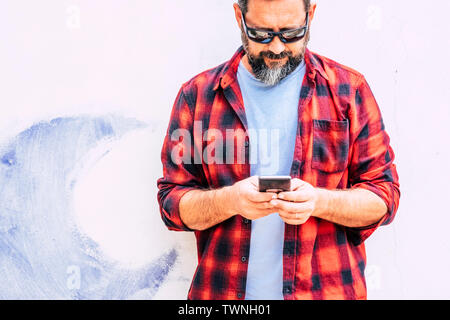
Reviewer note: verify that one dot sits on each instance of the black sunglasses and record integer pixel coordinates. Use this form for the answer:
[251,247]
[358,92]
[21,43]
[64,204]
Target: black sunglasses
[287,36]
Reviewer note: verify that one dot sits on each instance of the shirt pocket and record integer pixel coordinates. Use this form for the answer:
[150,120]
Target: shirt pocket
[330,145]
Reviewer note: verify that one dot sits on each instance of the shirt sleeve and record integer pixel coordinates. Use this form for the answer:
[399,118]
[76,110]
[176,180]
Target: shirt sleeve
[372,161]
[180,173]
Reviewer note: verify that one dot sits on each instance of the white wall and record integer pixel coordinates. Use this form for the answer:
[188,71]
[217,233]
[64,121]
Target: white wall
[129,58]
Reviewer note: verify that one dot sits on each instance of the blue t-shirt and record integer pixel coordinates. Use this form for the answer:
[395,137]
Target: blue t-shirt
[272,117]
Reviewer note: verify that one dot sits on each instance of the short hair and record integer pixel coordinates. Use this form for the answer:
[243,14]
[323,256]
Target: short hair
[243,4]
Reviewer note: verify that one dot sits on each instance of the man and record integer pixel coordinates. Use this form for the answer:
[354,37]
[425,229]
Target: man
[324,129]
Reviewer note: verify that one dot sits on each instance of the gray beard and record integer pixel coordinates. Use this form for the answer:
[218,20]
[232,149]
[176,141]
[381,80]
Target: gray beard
[272,76]
[267,75]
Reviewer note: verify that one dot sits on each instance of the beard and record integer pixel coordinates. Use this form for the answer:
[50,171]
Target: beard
[273,74]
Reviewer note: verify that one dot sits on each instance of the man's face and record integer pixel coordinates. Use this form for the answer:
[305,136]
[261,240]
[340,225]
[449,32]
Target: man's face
[273,61]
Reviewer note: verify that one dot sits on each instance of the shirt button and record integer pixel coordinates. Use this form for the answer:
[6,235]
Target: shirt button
[246,221]
[295,167]
[239,295]
[243,259]
[246,143]
[287,290]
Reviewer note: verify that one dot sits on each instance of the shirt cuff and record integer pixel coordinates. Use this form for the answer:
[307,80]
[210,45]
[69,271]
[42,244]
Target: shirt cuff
[358,235]
[170,209]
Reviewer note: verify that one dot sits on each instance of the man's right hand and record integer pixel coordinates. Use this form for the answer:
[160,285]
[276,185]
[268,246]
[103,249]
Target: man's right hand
[246,200]
[200,209]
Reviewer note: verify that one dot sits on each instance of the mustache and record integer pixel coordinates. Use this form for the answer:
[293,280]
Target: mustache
[271,55]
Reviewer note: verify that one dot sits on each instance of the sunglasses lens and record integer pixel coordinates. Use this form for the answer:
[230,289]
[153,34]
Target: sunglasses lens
[294,35]
[258,35]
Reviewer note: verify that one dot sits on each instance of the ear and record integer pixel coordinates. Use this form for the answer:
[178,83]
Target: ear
[312,10]
[237,14]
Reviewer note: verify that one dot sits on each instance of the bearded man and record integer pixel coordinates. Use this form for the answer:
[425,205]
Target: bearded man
[276,108]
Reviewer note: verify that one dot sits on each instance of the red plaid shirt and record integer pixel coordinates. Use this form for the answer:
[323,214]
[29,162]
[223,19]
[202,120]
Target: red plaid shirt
[341,143]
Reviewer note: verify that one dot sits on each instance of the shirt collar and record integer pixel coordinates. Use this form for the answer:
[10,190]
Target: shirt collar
[228,73]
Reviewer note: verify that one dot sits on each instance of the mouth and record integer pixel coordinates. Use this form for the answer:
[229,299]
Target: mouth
[276,59]
[275,62]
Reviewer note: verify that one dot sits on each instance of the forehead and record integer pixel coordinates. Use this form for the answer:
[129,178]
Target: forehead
[275,13]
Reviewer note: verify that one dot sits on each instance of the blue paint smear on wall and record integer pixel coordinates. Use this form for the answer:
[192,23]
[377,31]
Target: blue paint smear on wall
[42,253]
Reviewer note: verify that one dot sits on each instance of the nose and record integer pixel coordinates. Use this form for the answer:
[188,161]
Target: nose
[276,45]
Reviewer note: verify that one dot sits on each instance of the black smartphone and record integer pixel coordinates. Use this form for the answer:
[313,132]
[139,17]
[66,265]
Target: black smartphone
[274,183]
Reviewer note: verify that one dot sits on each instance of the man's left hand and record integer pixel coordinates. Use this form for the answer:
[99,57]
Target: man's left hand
[298,205]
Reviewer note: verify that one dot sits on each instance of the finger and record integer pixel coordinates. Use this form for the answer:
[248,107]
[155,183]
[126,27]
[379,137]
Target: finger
[298,184]
[293,207]
[295,196]
[300,191]
[256,196]
[254,181]
[293,221]
[293,216]
[262,205]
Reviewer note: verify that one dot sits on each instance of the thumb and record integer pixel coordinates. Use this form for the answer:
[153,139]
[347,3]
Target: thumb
[297,184]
